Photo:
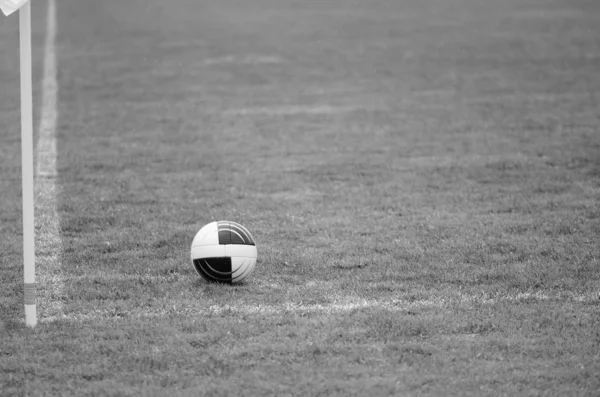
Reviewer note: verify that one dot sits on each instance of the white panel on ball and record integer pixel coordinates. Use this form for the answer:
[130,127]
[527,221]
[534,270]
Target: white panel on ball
[242,267]
[209,251]
[208,235]
[246,251]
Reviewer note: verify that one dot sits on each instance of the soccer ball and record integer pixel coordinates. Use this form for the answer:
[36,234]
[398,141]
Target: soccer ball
[224,252]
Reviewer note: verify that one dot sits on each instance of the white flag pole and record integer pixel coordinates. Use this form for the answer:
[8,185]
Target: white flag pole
[27,163]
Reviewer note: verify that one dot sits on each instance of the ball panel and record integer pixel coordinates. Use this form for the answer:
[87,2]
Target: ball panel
[209,251]
[218,267]
[224,236]
[234,233]
[214,269]
[243,267]
[233,250]
[243,231]
[237,238]
[208,235]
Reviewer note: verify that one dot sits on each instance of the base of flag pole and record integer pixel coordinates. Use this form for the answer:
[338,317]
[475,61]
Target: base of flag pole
[30,315]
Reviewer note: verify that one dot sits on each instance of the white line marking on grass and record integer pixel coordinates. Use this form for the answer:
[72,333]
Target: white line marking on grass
[49,243]
[292,110]
[168,307]
[251,59]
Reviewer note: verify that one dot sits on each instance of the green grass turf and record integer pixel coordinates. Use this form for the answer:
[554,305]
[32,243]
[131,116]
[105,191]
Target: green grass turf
[422,179]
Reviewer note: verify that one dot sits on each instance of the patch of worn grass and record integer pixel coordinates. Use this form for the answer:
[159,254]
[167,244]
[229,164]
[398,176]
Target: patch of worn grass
[421,178]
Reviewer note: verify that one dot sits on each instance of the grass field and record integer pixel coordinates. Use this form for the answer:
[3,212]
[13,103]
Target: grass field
[422,179]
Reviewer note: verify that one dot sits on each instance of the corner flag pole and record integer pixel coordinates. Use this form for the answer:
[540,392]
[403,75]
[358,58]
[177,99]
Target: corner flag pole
[27,163]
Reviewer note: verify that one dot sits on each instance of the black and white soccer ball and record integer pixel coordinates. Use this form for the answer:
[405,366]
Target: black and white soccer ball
[224,252]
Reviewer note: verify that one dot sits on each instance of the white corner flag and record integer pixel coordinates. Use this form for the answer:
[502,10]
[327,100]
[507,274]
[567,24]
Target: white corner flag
[10,6]
[24,7]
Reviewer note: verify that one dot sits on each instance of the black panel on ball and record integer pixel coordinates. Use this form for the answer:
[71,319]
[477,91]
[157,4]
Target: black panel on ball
[236,239]
[241,232]
[225,236]
[234,233]
[215,269]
